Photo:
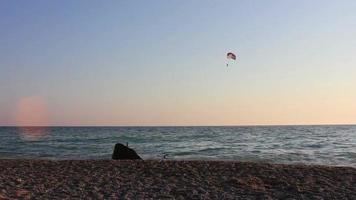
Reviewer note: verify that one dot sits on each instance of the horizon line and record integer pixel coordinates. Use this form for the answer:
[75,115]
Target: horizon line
[241,125]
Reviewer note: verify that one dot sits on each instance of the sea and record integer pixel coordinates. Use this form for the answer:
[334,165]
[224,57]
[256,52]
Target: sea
[333,145]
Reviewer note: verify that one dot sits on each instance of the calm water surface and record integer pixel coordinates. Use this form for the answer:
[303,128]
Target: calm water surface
[327,145]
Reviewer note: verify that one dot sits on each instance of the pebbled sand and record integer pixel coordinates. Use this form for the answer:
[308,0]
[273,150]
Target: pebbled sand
[154,179]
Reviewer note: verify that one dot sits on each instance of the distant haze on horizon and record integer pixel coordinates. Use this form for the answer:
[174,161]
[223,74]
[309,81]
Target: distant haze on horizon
[164,62]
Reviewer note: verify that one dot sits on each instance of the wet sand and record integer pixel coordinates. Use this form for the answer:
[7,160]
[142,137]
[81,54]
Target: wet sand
[154,179]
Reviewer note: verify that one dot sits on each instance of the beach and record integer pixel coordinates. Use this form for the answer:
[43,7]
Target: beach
[169,179]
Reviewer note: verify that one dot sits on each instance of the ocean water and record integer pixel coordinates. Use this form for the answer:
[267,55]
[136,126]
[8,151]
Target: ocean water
[326,145]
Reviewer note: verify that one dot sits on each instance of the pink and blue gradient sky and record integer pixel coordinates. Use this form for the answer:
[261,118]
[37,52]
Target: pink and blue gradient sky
[163,62]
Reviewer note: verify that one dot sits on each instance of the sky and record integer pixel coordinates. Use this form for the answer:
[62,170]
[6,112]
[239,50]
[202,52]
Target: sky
[148,63]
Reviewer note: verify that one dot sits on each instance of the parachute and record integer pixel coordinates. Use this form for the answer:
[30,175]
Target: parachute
[230,56]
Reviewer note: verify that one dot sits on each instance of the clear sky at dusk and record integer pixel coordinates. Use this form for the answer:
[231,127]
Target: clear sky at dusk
[163,62]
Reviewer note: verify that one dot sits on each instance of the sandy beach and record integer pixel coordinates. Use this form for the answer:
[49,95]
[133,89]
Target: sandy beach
[154,179]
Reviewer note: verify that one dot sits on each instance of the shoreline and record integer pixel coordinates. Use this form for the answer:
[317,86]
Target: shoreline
[167,179]
[155,159]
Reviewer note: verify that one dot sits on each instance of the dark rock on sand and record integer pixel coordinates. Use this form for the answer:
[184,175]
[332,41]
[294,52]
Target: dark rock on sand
[122,152]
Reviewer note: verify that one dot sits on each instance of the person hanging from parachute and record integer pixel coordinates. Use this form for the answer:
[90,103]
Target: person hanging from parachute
[230,56]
